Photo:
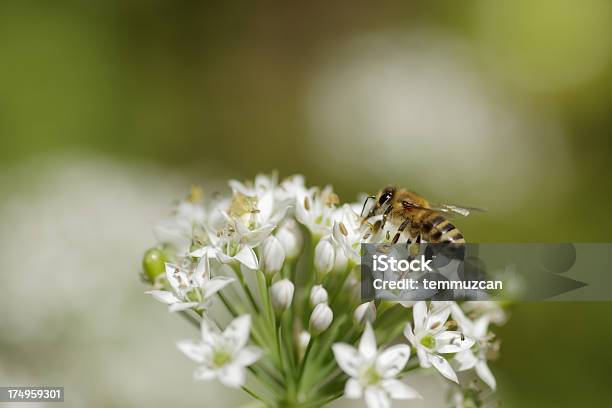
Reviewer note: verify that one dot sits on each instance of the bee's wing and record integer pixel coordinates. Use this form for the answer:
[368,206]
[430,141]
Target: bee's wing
[455,210]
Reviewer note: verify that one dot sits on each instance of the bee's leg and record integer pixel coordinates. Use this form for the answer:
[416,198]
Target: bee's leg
[400,230]
[385,215]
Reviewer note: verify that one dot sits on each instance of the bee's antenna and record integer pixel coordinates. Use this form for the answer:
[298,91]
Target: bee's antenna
[364,204]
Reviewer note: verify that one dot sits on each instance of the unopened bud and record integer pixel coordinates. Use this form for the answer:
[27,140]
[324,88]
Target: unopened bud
[318,294]
[365,312]
[154,264]
[303,341]
[273,256]
[282,295]
[324,257]
[290,237]
[341,261]
[320,319]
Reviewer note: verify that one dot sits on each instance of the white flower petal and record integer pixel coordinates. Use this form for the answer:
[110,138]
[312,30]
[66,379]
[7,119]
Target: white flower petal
[248,356]
[485,374]
[419,312]
[215,284]
[481,327]
[237,332]
[202,272]
[398,390]
[367,344]
[423,356]
[223,258]
[210,332]
[465,360]
[444,367]
[232,375]
[376,398]
[204,374]
[163,296]
[191,349]
[436,320]
[347,358]
[391,361]
[353,389]
[255,237]
[464,323]
[409,334]
[452,342]
[179,307]
[247,257]
[265,205]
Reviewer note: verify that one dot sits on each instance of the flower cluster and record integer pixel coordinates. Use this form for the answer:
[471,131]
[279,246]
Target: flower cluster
[282,262]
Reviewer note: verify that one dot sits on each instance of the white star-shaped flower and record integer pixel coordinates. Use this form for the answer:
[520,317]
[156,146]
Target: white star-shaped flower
[314,208]
[476,357]
[222,355]
[431,339]
[193,290]
[373,373]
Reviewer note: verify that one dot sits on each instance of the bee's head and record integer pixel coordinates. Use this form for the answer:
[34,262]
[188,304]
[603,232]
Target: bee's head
[385,196]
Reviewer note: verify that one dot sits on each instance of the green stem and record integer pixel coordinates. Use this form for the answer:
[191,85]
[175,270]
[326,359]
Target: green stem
[227,304]
[305,360]
[257,397]
[247,290]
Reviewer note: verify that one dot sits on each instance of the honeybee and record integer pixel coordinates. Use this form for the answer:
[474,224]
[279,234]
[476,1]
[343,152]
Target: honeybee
[415,216]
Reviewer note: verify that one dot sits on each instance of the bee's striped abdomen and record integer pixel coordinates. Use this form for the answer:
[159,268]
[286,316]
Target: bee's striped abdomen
[438,229]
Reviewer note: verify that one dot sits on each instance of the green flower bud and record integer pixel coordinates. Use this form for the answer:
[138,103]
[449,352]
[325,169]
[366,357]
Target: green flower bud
[154,264]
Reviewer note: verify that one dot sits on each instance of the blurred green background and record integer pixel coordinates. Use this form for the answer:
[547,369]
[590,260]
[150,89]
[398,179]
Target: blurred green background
[110,110]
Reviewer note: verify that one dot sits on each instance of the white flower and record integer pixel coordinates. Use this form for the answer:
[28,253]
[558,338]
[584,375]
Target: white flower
[492,309]
[290,237]
[324,257]
[365,312]
[431,339]
[318,294]
[320,319]
[258,205]
[178,231]
[313,208]
[273,256]
[291,188]
[373,373]
[261,185]
[347,232]
[190,290]
[477,356]
[229,249]
[282,295]
[223,355]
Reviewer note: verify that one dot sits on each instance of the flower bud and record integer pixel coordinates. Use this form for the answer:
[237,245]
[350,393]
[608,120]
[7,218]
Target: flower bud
[341,261]
[303,340]
[290,237]
[320,319]
[154,264]
[324,257]
[318,294]
[365,312]
[273,256]
[282,295]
